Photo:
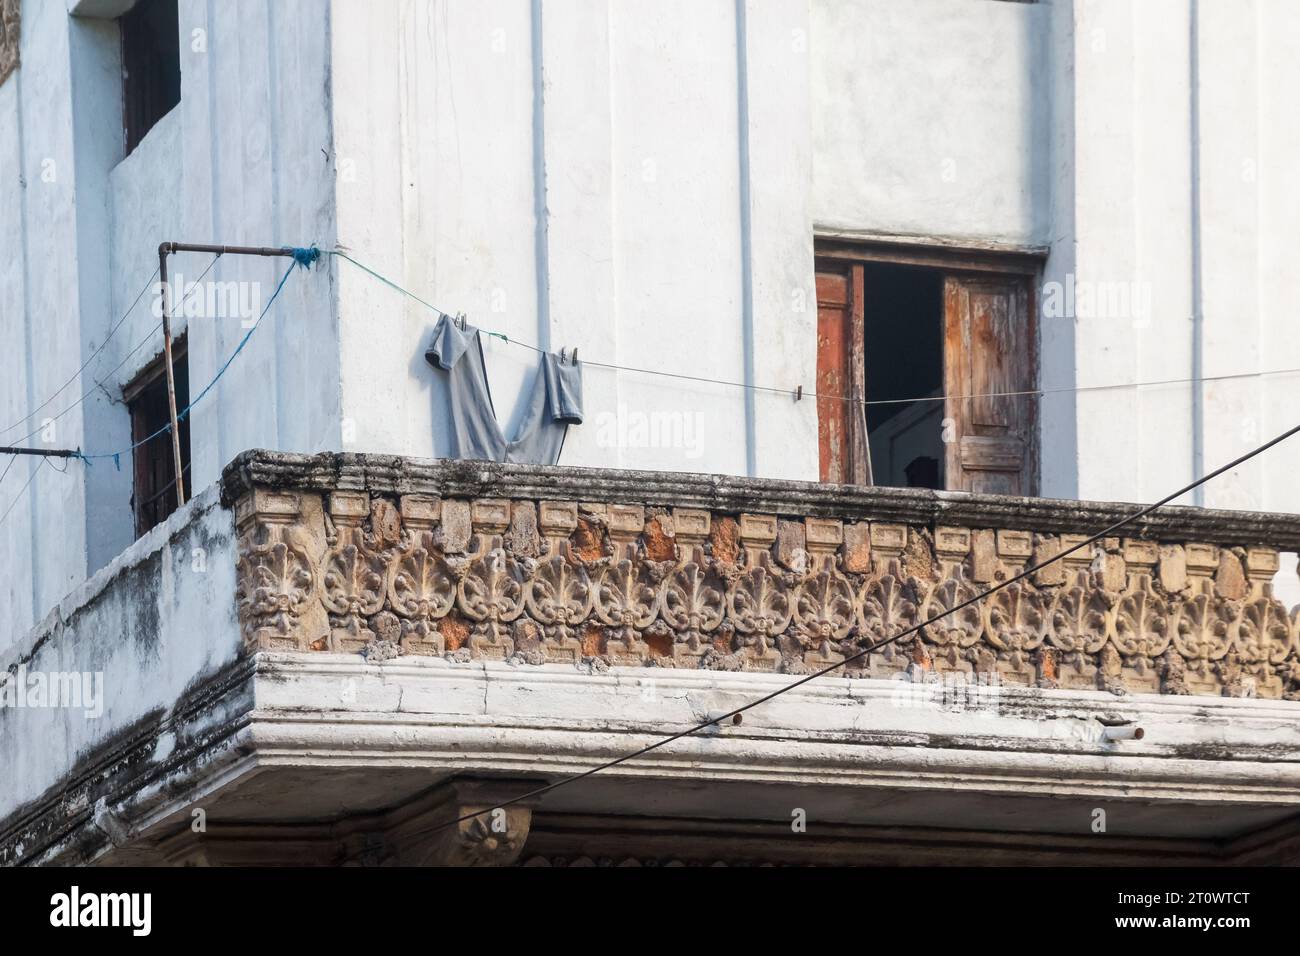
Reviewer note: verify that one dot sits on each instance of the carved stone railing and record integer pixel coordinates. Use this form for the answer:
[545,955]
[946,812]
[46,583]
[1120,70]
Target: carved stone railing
[387,556]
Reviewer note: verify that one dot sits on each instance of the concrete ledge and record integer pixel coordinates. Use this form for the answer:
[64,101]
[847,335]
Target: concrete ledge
[495,717]
[318,737]
[148,633]
[390,474]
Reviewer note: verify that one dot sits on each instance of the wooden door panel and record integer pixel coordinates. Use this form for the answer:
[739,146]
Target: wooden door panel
[834,373]
[984,453]
[841,425]
[988,353]
[990,363]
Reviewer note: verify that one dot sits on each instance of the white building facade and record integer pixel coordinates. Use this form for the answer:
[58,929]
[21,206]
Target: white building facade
[648,186]
[661,186]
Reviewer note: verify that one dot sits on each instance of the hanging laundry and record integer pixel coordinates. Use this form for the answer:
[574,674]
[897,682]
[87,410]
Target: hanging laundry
[555,403]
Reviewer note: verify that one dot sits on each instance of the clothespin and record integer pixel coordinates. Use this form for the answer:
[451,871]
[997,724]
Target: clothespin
[798,393]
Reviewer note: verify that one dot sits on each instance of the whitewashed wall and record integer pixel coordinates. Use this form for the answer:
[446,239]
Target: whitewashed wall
[667,238]
[931,118]
[1145,200]
[645,181]
[245,158]
[43,541]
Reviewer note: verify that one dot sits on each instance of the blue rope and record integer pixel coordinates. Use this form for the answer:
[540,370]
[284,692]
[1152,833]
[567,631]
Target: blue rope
[301,257]
[305,257]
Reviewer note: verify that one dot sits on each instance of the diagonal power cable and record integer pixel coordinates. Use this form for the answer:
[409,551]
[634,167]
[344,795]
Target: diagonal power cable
[1104,533]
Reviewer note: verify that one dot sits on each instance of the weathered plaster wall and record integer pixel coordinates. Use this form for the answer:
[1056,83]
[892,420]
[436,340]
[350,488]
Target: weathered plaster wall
[43,542]
[591,173]
[666,238]
[931,118]
[245,158]
[1182,180]
[334,738]
[1175,142]
[153,622]
[258,170]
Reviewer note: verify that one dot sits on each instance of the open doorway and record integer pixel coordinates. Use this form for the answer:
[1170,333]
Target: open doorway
[926,368]
[903,313]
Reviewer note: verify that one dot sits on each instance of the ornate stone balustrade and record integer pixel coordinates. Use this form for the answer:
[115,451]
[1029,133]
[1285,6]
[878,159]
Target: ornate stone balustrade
[387,556]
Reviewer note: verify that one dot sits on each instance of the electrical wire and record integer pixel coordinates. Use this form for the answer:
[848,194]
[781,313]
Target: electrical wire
[540,791]
[126,358]
[117,325]
[207,388]
[186,410]
[774,390]
[18,497]
[1092,539]
[166,428]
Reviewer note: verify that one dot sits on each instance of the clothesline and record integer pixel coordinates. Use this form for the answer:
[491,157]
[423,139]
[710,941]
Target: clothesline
[305,255]
[799,392]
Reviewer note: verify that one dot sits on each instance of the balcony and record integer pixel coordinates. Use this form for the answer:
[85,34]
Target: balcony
[388,557]
[326,653]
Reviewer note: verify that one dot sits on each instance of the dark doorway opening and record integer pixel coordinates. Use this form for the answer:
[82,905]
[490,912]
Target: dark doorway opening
[904,362]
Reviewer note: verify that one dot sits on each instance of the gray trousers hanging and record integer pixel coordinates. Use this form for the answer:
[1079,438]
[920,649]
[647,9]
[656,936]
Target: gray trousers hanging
[554,405]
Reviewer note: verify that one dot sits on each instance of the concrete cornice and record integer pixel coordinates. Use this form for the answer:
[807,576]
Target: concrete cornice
[836,731]
[324,713]
[392,474]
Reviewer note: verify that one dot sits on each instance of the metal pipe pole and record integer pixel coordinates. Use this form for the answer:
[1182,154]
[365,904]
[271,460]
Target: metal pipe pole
[163,251]
[47,452]
[232,250]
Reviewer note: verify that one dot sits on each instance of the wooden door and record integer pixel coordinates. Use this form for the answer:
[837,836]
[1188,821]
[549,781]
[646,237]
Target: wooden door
[841,370]
[989,351]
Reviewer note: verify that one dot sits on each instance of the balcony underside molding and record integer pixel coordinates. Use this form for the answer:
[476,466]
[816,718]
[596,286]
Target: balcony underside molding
[388,556]
[353,761]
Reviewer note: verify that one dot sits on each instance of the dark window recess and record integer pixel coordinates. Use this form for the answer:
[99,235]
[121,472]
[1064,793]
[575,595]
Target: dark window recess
[151,66]
[904,356]
[153,496]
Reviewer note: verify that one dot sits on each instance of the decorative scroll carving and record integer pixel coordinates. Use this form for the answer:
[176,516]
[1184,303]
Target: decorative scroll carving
[341,571]
[824,610]
[275,585]
[1013,625]
[627,603]
[491,594]
[421,590]
[354,572]
[275,577]
[759,606]
[959,629]
[560,598]
[694,602]
[352,590]
[887,607]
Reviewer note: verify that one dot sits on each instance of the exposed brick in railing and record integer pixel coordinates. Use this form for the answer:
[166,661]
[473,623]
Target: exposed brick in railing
[386,555]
